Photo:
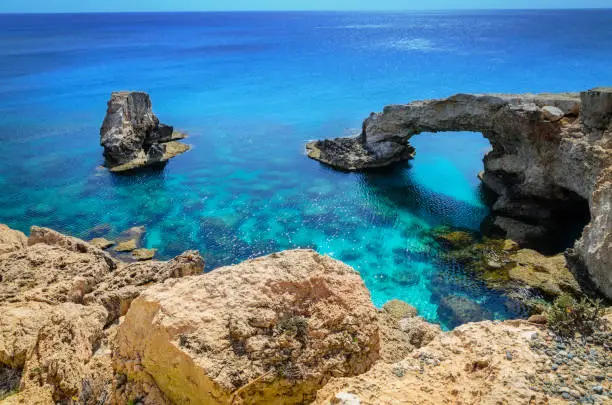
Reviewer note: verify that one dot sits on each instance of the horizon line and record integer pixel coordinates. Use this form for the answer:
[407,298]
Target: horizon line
[299,11]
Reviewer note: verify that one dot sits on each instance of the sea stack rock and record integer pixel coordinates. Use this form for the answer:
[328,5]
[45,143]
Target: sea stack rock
[132,135]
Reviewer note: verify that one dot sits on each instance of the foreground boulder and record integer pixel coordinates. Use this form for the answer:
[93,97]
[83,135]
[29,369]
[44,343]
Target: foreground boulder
[271,330]
[550,163]
[132,135]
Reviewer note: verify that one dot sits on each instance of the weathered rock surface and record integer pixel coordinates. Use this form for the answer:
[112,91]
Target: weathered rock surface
[551,161]
[118,289]
[468,365]
[11,240]
[102,243]
[132,135]
[268,331]
[59,297]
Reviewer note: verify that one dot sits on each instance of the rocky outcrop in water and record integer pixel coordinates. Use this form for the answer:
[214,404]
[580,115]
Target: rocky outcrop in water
[132,135]
[551,161]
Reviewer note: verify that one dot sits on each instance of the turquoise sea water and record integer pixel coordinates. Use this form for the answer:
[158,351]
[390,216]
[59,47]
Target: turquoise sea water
[250,89]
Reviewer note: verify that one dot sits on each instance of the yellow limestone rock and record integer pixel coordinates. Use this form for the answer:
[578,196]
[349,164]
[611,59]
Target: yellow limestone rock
[271,330]
[11,240]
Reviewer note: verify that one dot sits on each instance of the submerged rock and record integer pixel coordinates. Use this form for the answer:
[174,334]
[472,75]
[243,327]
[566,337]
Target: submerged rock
[126,246]
[269,330]
[102,243]
[398,309]
[143,254]
[455,310]
[504,266]
[132,135]
[550,163]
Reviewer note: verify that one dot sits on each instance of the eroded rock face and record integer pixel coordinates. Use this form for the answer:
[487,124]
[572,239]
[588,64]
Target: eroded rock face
[132,135]
[268,331]
[59,298]
[469,365]
[551,156]
[117,290]
[11,240]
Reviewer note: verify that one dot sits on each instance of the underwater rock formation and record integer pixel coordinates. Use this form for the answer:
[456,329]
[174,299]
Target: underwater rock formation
[132,135]
[551,160]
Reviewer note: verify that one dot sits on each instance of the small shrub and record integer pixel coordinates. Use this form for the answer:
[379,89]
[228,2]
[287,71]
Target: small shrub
[296,326]
[567,316]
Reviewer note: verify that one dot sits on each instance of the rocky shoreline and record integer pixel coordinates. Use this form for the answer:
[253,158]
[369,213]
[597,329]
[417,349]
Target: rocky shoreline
[551,161]
[295,327]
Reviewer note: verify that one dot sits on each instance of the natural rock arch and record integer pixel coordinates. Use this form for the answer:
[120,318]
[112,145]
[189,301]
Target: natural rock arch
[548,152]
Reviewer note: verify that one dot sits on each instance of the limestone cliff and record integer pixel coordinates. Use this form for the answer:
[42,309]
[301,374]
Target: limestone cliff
[551,156]
[132,135]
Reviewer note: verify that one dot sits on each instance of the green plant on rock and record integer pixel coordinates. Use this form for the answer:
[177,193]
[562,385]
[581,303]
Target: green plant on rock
[296,326]
[567,316]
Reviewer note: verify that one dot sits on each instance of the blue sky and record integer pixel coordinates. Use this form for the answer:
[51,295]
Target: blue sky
[221,5]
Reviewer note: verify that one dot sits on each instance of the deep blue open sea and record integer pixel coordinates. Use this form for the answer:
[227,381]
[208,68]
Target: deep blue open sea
[250,89]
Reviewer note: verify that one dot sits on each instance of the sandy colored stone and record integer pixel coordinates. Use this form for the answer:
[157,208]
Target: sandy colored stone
[53,295]
[119,288]
[126,246]
[11,240]
[270,330]
[539,319]
[102,243]
[399,309]
[19,325]
[548,274]
[143,254]
[32,396]
[49,273]
[50,237]
[63,348]
[399,338]
[466,366]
